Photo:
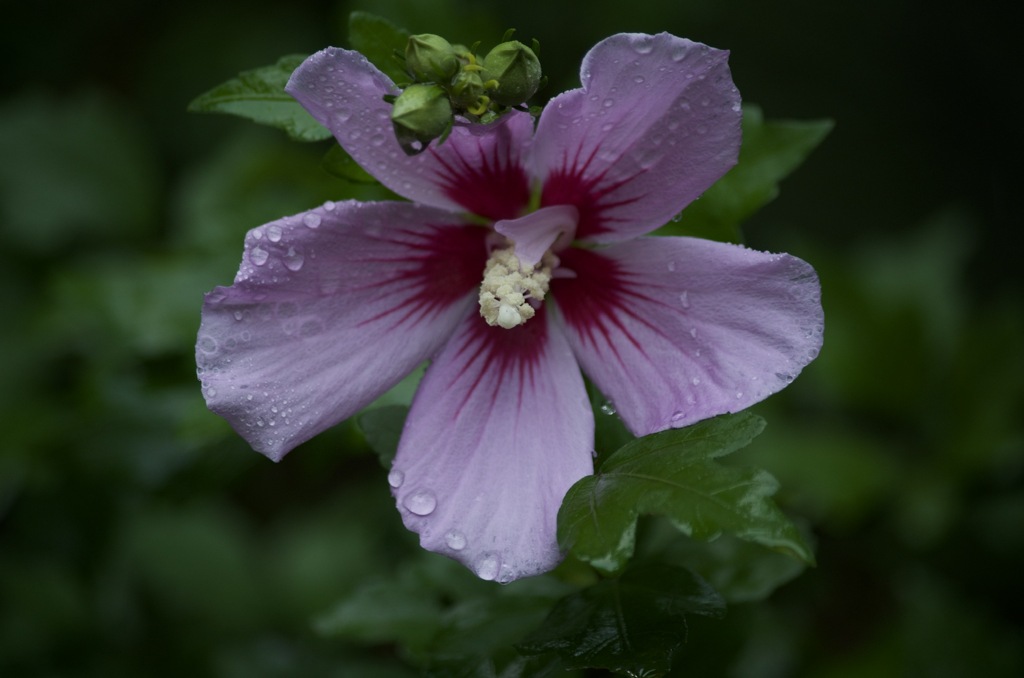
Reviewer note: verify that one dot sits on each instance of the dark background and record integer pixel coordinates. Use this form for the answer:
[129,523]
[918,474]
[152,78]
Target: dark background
[139,536]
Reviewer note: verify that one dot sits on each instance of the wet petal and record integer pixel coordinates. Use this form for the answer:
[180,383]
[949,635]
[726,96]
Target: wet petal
[329,309]
[498,432]
[675,330]
[479,168]
[534,234]
[655,124]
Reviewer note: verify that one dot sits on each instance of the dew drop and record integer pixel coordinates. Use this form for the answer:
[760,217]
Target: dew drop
[311,220]
[329,205]
[258,256]
[238,315]
[293,260]
[608,408]
[644,47]
[487,567]
[377,140]
[421,503]
[695,381]
[395,478]
[672,266]
[693,332]
[208,344]
[639,79]
[608,103]
[684,299]
[456,540]
[677,419]
[274,233]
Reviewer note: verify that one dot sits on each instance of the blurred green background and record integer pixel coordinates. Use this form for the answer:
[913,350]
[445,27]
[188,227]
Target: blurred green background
[140,536]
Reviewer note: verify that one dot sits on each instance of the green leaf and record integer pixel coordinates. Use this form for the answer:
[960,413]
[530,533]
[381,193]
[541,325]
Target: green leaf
[340,164]
[770,151]
[259,96]
[378,39]
[382,427]
[629,624]
[674,474]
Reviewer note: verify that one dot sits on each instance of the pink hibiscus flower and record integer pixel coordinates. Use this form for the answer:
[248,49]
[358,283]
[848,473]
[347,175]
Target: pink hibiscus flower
[520,260]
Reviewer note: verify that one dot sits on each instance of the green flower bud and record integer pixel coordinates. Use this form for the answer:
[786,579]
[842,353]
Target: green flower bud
[421,114]
[517,70]
[467,88]
[430,58]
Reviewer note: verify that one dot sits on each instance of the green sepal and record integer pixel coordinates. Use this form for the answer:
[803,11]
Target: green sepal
[259,95]
[675,474]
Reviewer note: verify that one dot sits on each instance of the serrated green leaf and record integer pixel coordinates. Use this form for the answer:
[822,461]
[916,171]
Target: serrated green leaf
[673,473]
[259,96]
[378,39]
[340,164]
[629,624]
[770,151]
[382,427]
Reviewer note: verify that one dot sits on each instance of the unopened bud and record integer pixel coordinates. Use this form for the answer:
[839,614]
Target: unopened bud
[517,70]
[430,58]
[421,114]
[467,88]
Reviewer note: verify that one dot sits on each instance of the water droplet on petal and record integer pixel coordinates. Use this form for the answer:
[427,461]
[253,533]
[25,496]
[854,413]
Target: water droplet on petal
[208,344]
[677,419]
[238,315]
[608,407]
[293,260]
[259,256]
[645,46]
[311,220]
[695,381]
[608,103]
[395,478]
[671,266]
[421,503]
[274,233]
[684,299]
[487,567]
[329,205]
[639,79]
[456,540]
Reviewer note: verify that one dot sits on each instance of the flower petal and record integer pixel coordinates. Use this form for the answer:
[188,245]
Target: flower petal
[675,330]
[498,432]
[329,309]
[655,124]
[534,234]
[479,168]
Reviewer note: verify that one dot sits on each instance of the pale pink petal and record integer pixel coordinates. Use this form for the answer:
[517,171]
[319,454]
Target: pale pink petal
[498,432]
[479,168]
[655,124]
[534,234]
[675,330]
[329,309]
